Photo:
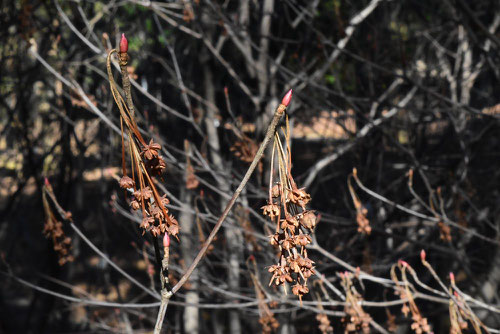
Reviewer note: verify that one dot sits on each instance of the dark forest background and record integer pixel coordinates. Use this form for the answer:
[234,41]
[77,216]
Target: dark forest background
[407,92]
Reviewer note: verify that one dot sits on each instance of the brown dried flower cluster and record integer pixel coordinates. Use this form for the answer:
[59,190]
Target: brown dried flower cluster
[156,218]
[244,149]
[420,324]
[286,207]
[266,317]
[356,319]
[146,163]
[361,212]
[460,312]
[53,230]
[444,231]
[324,326]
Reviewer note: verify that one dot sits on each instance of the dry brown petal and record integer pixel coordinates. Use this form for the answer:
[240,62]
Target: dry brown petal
[158,213]
[173,229]
[146,222]
[164,200]
[275,239]
[191,180]
[155,231]
[286,225]
[292,220]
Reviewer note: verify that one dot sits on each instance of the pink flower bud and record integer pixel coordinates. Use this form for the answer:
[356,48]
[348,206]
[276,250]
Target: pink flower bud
[166,240]
[403,263]
[422,255]
[47,183]
[287,98]
[452,277]
[123,44]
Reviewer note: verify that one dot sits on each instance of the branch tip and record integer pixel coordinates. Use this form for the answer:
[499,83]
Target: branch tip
[123,44]
[287,98]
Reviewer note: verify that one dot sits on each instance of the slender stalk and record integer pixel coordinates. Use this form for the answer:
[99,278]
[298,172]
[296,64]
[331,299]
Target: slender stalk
[165,294]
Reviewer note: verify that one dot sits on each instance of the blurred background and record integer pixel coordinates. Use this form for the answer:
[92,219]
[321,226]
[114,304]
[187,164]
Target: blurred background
[407,92]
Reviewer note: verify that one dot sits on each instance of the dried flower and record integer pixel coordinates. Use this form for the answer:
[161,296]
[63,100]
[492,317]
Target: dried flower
[271,210]
[308,220]
[126,182]
[135,205]
[53,229]
[299,197]
[143,194]
[147,222]
[150,150]
[324,324]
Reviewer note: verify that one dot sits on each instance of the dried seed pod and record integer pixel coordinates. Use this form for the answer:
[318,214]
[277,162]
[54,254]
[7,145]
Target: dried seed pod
[308,220]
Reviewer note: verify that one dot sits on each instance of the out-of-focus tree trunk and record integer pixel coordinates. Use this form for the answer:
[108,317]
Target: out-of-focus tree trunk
[189,248]
[232,235]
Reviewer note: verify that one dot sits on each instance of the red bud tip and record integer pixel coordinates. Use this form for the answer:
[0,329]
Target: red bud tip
[287,98]
[123,44]
[166,240]
[403,263]
[47,183]
[422,255]
[452,277]
[226,92]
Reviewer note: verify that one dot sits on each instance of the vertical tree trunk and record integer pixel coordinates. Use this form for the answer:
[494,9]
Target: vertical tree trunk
[189,250]
[232,235]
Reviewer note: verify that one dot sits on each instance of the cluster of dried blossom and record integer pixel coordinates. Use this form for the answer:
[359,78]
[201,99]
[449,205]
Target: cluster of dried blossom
[420,324]
[361,212]
[53,229]
[356,318]
[286,207]
[156,218]
[324,323]
[146,161]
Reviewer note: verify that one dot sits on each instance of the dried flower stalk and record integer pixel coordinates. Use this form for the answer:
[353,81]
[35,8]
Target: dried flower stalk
[146,162]
[361,212]
[420,324]
[286,206]
[356,318]
[53,229]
